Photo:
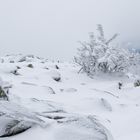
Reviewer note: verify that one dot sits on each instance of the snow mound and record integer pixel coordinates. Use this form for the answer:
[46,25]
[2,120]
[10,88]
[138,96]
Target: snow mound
[81,128]
[56,103]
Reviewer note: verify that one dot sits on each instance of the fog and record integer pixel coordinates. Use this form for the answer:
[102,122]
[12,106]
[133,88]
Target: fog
[51,28]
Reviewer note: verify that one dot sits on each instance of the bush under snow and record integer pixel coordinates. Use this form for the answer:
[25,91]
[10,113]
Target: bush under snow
[98,55]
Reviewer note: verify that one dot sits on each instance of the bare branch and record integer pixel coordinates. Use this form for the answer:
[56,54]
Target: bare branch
[101,33]
[111,39]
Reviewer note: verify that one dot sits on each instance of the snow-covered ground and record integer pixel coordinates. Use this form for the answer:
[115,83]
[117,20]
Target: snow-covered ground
[61,104]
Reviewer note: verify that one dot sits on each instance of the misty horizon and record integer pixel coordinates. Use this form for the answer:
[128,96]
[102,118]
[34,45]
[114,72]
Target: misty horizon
[52,29]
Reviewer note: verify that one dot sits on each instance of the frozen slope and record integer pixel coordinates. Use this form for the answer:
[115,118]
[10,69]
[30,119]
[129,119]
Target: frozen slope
[65,105]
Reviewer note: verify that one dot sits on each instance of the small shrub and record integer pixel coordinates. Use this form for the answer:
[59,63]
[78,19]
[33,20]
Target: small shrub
[137,83]
[98,55]
[3,94]
[56,67]
[120,84]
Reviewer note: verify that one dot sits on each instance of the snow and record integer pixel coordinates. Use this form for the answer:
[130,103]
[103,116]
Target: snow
[74,108]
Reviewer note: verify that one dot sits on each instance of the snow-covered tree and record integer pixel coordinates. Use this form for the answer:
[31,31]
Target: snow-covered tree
[98,55]
[134,63]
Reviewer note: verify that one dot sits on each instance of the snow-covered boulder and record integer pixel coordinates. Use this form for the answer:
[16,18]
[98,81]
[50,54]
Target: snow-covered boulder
[78,127]
[55,75]
[4,90]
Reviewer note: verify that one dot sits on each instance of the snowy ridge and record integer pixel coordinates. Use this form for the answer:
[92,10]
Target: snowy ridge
[52,101]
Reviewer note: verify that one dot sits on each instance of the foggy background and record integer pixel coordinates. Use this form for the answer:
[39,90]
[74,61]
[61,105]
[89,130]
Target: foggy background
[51,28]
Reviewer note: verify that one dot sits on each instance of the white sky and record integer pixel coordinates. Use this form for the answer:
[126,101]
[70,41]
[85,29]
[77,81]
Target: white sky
[51,28]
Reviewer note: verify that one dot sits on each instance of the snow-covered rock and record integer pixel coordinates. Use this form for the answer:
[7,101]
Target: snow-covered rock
[76,108]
